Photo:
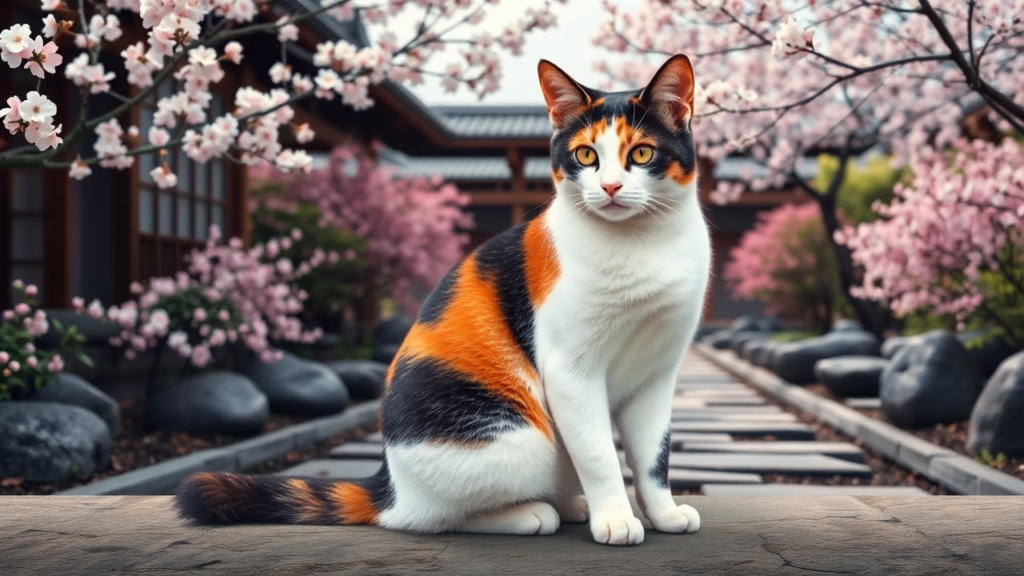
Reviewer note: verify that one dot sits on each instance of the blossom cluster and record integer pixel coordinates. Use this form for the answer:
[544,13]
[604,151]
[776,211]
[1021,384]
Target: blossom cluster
[962,215]
[182,41]
[24,367]
[228,295]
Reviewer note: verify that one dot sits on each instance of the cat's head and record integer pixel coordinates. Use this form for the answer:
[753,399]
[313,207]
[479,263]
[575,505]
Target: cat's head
[622,155]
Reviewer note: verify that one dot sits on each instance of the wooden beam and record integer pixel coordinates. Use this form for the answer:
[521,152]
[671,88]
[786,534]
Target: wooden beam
[509,198]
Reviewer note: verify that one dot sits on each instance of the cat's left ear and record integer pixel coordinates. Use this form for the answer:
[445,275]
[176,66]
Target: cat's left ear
[670,92]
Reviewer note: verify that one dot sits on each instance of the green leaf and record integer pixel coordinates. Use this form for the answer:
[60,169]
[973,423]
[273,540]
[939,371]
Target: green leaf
[85,359]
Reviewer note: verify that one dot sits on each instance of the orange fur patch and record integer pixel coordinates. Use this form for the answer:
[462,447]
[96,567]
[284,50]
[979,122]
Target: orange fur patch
[629,138]
[542,267]
[682,177]
[472,338]
[589,134]
[303,500]
[556,175]
[352,504]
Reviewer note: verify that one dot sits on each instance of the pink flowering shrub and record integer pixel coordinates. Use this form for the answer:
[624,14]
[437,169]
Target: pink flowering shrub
[951,243]
[228,295]
[23,367]
[786,263]
[409,226]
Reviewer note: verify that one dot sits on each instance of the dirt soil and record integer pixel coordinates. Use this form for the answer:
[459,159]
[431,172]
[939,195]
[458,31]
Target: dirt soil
[138,447]
[952,436]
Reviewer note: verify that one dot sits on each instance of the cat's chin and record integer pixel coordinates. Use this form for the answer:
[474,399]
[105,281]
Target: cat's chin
[614,212]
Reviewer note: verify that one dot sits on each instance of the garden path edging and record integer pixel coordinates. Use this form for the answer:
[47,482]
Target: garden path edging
[943,466]
[164,477]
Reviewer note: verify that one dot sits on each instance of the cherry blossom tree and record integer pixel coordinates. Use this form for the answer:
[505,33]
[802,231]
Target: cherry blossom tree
[779,80]
[192,41]
[952,244]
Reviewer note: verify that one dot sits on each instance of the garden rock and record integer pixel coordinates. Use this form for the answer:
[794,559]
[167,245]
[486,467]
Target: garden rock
[296,386]
[720,339]
[762,354]
[851,376]
[846,325]
[770,324]
[72,389]
[50,442]
[392,331]
[794,361]
[892,345]
[739,339]
[987,356]
[214,402]
[385,353]
[997,421]
[931,380]
[744,324]
[363,378]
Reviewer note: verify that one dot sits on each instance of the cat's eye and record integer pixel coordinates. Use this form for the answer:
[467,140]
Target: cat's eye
[586,155]
[642,154]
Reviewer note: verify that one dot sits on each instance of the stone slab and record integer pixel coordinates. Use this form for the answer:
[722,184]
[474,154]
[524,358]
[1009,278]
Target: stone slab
[781,430]
[766,409]
[679,438]
[806,490]
[768,463]
[864,403]
[686,479]
[695,385]
[751,536]
[373,450]
[713,392]
[724,416]
[336,469]
[373,437]
[840,450]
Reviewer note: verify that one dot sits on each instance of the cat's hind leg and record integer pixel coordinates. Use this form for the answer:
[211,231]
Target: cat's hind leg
[530,519]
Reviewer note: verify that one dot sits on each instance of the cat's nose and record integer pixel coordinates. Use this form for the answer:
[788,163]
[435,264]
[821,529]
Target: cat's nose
[611,187]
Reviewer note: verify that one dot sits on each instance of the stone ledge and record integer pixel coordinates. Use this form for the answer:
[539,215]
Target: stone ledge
[954,471]
[740,536]
[164,477]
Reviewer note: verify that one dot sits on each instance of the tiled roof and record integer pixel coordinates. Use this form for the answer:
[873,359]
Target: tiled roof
[496,121]
[537,169]
[454,169]
[738,168]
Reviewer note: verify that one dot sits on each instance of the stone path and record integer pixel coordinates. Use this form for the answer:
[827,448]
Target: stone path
[710,409]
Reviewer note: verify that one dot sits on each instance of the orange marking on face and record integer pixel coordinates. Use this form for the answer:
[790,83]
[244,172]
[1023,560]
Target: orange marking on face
[305,501]
[597,102]
[629,138]
[472,338]
[682,177]
[589,134]
[542,267]
[557,176]
[353,504]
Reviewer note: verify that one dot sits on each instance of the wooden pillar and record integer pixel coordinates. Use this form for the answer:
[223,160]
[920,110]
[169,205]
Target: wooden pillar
[515,164]
[517,213]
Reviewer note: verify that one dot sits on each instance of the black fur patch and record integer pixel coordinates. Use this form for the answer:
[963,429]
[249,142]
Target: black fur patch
[428,401]
[437,302]
[659,472]
[382,490]
[502,260]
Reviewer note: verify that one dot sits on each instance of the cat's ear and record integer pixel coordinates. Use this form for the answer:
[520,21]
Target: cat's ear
[670,93]
[563,95]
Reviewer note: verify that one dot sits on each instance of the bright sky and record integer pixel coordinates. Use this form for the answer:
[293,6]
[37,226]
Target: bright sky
[568,45]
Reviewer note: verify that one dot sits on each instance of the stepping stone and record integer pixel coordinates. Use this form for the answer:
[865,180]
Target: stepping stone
[678,438]
[682,479]
[768,463]
[781,430]
[808,490]
[701,415]
[358,450]
[840,450]
[864,403]
[706,392]
[767,409]
[682,387]
[734,400]
[679,402]
[708,380]
[335,469]
[373,437]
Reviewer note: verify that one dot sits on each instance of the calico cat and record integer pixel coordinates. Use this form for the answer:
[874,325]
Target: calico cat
[498,408]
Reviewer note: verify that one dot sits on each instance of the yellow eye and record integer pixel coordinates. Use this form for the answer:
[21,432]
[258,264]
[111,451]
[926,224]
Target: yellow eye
[586,155]
[642,154]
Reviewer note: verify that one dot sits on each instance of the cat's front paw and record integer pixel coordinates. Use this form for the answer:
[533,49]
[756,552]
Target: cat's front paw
[677,519]
[618,530]
[573,510]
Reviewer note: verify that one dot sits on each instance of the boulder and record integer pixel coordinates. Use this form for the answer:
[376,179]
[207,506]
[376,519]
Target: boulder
[931,380]
[71,389]
[296,386]
[987,356]
[846,325]
[50,442]
[739,339]
[770,324]
[997,421]
[385,353]
[892,345]
[721,339]
[744,324]
[363,378]
[213,402]
[760,353]
[794,361]
[392,330]
[851,376]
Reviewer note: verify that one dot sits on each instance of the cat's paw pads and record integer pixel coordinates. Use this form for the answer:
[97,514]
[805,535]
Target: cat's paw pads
[618,530]
[540,519]
[574,510]
[675,520]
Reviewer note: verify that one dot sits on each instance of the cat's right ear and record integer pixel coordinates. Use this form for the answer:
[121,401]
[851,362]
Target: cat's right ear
[563,95]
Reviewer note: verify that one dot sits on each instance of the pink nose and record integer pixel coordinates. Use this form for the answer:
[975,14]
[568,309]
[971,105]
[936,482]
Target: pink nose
[611,187]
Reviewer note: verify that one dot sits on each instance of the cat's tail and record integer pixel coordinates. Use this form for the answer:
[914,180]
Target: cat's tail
[222,498]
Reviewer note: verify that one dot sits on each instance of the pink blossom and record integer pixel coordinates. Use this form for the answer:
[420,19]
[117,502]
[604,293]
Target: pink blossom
[4,357]
[22,309]
[95,309]
[78,304]
[79,169]
[233,52]
[201,356]
[14,366]
[31,362]
[31,290]
[199,315]
[56,364]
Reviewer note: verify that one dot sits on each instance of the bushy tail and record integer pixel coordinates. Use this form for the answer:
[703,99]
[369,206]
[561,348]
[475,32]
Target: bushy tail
[221,498]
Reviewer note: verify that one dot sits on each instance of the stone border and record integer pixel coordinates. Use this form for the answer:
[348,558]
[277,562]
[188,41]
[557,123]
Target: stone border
[943,466]
[163,478]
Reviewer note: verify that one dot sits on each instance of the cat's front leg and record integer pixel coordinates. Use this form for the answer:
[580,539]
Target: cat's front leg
[578,402]
[644,427]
